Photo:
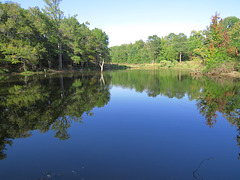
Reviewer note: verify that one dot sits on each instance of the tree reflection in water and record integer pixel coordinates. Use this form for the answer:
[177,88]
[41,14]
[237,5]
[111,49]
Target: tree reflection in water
[44,104]
[54,103]
[212,95]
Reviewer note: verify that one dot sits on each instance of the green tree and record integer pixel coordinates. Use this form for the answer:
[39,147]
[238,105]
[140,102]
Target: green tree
[154,43]
[229,22]
[19,38]
[52,9]
[234,34]
[175,47]
[195,44]
[102,50]
[218,45]
[180,46]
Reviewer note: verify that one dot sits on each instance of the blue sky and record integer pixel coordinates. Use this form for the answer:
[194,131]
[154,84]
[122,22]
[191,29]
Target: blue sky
[126,21]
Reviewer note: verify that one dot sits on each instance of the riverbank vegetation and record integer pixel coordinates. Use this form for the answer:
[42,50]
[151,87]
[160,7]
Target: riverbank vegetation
[38,39]
[33,40]
[211,51]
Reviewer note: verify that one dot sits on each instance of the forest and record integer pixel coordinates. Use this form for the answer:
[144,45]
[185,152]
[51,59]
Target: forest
[38,39]
[216,48]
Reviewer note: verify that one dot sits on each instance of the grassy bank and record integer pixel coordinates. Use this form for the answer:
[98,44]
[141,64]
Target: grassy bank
[187,65]
[195,67]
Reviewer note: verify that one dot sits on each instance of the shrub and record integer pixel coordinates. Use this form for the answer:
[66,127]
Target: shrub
[165,63]
[219,68]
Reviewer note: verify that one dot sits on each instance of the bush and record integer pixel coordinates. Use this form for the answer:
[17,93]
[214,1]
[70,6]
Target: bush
[165,63]
[225,67]
[174,62]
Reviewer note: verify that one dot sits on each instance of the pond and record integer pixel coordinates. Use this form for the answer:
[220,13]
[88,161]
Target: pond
[134,124]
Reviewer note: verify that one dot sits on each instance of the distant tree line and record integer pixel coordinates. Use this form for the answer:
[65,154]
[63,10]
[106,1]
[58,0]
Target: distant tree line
[35,39]
[215,46]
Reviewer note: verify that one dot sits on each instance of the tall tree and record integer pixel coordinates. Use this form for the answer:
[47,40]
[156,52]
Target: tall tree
[154,43]
[180,45]
[101,46]
[19,38]
[234,34]
[52,9]
[195,44]
[218,44]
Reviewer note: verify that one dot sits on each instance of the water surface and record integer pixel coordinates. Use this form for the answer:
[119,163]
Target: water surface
[121,125]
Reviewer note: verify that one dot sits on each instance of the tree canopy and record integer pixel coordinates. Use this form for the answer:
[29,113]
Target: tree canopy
[34,39]
[214,47]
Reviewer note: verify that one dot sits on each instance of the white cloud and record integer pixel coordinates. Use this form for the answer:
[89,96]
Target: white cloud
[126,34]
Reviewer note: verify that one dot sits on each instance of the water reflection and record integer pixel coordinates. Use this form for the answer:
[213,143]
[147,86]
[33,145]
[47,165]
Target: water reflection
[42,104]
[53,103]
[212,95]
[167,83]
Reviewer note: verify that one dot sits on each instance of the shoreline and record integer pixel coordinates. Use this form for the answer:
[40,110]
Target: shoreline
[194,67]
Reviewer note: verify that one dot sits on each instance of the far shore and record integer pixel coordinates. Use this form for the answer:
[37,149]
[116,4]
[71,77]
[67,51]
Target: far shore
[194,68]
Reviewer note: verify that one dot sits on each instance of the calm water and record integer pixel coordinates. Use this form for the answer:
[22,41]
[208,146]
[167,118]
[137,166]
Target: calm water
[124,125]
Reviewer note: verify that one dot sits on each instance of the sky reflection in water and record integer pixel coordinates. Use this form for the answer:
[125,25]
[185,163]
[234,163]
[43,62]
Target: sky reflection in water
[144,125]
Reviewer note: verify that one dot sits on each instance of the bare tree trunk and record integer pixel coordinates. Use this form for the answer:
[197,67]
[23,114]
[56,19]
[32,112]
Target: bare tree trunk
[60,54]
[180,58]
[236,51]
[101,65]
[49,64]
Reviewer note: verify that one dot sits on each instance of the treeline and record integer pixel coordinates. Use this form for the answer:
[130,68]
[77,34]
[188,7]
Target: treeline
[36,39]
[214,47]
